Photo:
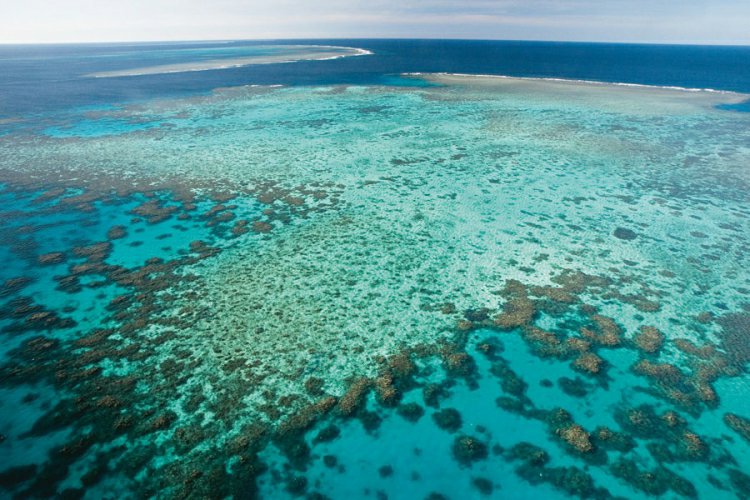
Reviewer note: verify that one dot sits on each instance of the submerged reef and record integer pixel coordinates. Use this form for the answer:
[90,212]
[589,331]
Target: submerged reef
[109,406]
[448,419]
[528,293]
[535,470]
[738,424]
[468,449]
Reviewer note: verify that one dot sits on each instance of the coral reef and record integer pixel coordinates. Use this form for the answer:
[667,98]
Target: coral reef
[51,258]
[573,387]
[448,419]
[588,363]
[576,437]
[132,377]
[738,424]
[653,482]
[624,233]
[649,339]
[468,449]
[354,397]
[734,338]
[412,412]
[154,211]
[484,486]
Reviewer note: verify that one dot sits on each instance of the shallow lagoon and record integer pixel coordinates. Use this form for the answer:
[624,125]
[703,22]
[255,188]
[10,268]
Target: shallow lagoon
[280,291]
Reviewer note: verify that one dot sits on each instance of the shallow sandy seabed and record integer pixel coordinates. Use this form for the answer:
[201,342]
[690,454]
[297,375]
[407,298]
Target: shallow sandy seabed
[290,53]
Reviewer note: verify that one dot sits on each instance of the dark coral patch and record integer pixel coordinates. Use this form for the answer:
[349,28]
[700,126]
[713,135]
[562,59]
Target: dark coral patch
[412,412]
[625,233]
[51,258]
[529,453]
[740,482]
[649,339]
[573,387]
[385,471]
[656,481]
[468,449]
[326,434]
[448,419]
[484,486]
[735,338]
[116,232]
[262,227]
[154,211]
[738,424]
[354,398]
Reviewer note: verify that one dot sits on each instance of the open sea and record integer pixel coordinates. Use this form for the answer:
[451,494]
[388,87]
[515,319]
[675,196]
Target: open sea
[386,269]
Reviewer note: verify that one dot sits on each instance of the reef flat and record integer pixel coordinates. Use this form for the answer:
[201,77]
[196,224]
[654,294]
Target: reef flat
[505,286]
[258,54]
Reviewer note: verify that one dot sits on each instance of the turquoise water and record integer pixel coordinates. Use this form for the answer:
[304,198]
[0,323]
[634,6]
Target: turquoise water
[468,286]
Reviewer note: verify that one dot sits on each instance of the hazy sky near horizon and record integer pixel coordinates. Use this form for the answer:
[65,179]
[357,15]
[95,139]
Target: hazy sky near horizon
[659,21]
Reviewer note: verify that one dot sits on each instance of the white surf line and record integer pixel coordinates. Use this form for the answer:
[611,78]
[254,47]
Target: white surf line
[572,80]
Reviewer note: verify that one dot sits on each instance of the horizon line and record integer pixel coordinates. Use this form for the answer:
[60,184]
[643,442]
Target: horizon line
[234,40]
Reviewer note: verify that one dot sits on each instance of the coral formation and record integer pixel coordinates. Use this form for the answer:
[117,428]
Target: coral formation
[649,339]
[576,437]
[198,320]
[412,412]
[468,449]
[448,419]
[738,424]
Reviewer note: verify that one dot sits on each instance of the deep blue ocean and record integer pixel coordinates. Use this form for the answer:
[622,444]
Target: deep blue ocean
[39,78]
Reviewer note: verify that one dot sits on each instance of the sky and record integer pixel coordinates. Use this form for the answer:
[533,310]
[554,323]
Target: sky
[653,21]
